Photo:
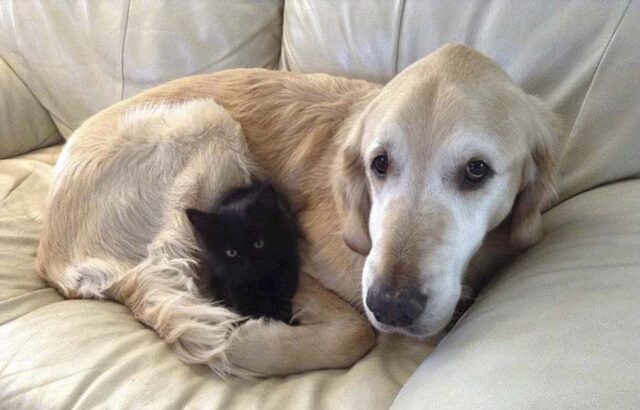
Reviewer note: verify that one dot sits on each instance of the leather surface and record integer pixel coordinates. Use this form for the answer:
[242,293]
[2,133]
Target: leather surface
[581,56]
[24,123]
[79,57]
[560,329]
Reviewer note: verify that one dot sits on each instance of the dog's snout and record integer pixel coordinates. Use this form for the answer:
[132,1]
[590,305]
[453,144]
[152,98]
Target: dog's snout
[395,306]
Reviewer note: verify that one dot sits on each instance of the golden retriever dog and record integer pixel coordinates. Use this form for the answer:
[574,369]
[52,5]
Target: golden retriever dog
[406,193]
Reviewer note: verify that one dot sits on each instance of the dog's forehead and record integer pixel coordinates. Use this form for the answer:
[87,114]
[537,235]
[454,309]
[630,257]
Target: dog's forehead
[449,70]
[454,62]
[430,102]
[428,112]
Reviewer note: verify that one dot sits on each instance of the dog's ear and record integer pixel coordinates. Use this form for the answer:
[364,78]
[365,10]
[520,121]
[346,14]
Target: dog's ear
[539,177]
[352,192]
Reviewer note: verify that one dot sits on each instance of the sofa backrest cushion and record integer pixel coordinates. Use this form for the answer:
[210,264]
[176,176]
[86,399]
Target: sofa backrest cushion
[24,123]
[580,56]
[79,57]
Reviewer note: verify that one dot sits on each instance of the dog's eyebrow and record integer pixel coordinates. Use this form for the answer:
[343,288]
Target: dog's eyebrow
[382,145]
[481,146]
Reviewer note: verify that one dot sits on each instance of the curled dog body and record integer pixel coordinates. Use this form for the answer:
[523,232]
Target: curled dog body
[403,192]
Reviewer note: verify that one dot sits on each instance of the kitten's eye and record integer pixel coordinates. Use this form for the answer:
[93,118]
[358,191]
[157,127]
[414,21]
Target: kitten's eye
[232,253]
[258,244]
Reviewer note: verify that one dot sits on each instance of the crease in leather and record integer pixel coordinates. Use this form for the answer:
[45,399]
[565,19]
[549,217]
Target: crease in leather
[284,62]
[258,32]
[98,382]
[17,184]
[398,34]
[46,305]
[124,42]
[27,293]
[44,366]
[56,119]
[29,221]
[29,389]
[572,134]
[601,185]
[15,73]
[48,140]
[48,113]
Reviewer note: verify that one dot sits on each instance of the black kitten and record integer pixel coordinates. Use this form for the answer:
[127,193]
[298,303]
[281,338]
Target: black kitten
[250,253]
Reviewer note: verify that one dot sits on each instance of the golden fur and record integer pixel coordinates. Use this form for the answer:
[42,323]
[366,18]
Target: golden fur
[115,228]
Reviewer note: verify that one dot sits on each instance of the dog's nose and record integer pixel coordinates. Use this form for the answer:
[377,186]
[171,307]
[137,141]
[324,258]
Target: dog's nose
[395,306]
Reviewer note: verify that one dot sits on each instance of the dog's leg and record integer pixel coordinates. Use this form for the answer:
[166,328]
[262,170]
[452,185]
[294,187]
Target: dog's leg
[90,279]
[162,294]
[331,334]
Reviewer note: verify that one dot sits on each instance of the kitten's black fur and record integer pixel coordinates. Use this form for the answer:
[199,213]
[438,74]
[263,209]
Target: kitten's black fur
[249,251]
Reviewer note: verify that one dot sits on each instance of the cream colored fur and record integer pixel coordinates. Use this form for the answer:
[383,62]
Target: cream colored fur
[115,226]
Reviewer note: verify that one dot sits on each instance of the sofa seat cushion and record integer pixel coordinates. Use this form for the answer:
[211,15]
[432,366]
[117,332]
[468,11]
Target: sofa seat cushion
[559,329]
[57,353]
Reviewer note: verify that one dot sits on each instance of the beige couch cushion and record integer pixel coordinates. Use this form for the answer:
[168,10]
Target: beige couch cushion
[560,329]
[580,56]
[24,123]
[74,58]
[79,57]
[59,354]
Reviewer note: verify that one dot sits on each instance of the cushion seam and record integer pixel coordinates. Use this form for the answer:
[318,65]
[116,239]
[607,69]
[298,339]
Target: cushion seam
[397,40]
[597,70]
[124,40]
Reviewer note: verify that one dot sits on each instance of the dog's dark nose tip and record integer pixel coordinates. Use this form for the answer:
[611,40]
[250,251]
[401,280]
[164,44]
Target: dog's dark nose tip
[395,306]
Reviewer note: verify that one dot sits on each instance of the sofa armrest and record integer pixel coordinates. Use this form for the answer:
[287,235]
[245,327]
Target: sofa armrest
[559,329]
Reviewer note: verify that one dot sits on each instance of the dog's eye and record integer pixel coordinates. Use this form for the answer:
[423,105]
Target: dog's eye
[258,244]
[232,253]
[475,171]
[380,164]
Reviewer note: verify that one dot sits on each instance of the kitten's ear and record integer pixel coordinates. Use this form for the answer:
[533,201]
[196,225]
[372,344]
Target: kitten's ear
[200,220]
[268,191]
[270,196]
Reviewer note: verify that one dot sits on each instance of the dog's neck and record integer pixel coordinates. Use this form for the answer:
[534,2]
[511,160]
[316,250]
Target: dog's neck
[294,128]
[305,128]
[297,136]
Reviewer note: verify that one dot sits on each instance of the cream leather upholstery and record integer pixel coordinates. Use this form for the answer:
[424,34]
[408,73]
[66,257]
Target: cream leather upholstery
[559,329]
[24,123]
[80,57]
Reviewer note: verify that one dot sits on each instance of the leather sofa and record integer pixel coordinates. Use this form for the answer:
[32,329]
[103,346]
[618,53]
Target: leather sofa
[559,328]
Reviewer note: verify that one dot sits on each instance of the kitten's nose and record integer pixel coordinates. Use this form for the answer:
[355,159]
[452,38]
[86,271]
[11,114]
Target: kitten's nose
[395,306]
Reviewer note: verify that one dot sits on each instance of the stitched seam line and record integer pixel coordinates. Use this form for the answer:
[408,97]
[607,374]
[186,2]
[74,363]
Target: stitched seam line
[397,45]
[281,53]
[584,102]
[124,39]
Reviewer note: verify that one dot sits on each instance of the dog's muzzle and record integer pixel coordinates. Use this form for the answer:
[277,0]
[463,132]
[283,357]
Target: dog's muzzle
[394,306]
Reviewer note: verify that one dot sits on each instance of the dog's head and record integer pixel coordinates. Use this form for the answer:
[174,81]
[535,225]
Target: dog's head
[449,150]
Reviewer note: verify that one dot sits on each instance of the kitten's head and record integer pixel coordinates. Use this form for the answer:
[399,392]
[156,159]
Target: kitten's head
[249,235]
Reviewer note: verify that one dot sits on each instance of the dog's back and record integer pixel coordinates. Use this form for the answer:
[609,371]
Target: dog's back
[128,182]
